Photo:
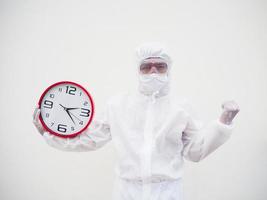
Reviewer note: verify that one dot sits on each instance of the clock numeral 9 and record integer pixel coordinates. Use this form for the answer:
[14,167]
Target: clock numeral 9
[62,128]
[70,90]
[48,104]
[85,112]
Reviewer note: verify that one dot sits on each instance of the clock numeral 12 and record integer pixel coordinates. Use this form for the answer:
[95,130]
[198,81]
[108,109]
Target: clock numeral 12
[70,90]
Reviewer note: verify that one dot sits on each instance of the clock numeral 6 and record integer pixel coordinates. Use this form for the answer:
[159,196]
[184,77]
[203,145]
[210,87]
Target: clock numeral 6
[48,104]
[62,128]
[70,90]
[85,112]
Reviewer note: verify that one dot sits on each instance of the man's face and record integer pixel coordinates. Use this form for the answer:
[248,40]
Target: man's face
[153,65]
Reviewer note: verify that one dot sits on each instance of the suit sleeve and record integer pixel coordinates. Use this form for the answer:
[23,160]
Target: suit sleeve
[199,141]
[94,137]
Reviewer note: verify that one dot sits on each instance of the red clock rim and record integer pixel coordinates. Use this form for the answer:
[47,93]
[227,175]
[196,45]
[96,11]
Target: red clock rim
[90,98]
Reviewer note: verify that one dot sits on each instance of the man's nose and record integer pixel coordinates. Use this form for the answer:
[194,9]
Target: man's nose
[153,70]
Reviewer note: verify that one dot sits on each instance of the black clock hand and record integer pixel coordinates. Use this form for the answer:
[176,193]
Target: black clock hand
[72,108]
[66,109]
[70,116]
[63,107]
[75,116]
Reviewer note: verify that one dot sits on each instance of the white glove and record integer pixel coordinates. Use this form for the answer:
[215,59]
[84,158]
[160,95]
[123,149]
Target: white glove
[230,109]
[37,122]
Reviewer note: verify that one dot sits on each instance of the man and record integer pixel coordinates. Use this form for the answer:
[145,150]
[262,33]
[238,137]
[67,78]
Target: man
[152,133]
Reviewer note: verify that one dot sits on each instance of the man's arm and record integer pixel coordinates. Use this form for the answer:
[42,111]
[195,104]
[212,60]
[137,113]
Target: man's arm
[94,137]
[200,141]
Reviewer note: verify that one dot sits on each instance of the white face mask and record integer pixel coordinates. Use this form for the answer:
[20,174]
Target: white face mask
[150,83]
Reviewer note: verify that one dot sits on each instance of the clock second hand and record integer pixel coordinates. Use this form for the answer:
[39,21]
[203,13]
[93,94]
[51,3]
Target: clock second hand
[75,116]
[70,116]
[67,110]
[72,113]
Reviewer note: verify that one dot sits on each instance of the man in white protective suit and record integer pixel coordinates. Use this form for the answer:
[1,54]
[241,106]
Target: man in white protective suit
[151,131]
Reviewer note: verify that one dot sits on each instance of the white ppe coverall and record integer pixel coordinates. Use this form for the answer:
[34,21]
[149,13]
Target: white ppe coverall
[152,133]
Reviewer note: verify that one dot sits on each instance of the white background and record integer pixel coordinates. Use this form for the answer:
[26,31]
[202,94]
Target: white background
[219,51]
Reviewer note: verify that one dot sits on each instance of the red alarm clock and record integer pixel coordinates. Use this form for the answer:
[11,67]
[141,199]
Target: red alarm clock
[67,109]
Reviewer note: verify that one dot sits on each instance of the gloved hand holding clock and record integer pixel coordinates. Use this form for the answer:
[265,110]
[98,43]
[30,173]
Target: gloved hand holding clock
[65,110]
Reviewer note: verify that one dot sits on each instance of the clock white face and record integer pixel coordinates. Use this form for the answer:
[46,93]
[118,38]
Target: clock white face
[66,109]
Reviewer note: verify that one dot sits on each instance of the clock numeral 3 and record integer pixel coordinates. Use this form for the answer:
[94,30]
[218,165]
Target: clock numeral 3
[70,90]
[62,128]
[48,104]
[85,112]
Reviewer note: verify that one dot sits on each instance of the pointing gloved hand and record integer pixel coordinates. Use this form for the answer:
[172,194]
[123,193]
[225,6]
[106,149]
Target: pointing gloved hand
[230,109]
[37,122]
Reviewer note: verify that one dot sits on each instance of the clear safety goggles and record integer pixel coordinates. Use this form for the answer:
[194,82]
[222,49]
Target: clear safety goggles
[158,63]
